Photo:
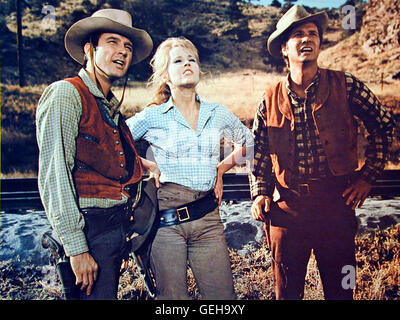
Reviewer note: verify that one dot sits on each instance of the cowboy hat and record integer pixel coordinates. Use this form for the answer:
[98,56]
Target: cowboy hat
[107,20]
[295,16]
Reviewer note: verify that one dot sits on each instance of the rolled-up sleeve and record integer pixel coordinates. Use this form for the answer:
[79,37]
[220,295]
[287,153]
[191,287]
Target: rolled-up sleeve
[261,178]
[138,124]
[378,122]
[57,124]
[235,131]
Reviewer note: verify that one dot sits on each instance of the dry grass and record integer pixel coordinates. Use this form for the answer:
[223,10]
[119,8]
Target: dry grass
[378,261]
[378,273]
[240,91]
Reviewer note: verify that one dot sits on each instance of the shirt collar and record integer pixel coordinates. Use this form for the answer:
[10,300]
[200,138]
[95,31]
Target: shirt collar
[169,104]
[94,90]
[311,89]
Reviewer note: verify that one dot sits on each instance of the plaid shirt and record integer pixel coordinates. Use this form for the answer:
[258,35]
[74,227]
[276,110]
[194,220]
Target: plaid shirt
[185,156]
[310,155]
[57,127]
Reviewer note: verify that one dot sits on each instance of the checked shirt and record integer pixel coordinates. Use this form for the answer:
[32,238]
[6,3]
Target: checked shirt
[310,156]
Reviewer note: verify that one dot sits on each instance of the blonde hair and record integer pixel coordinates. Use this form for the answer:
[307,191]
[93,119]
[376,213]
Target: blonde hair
[159,64]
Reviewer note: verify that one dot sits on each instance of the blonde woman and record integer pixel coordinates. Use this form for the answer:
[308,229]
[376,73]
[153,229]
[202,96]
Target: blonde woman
[184,133]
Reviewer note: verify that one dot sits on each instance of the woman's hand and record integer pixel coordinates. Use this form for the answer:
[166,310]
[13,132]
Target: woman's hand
[155,173]
[219,188]
[153,169]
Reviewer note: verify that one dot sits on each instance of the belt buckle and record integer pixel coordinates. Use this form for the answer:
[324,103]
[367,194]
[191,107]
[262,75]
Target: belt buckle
[306,190]
[179,215]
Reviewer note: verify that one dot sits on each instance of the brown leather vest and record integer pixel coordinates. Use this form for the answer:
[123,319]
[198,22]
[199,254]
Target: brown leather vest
[106,159]
[332,117]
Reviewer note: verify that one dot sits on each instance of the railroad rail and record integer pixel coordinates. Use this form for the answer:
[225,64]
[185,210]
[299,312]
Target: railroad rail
[23,194]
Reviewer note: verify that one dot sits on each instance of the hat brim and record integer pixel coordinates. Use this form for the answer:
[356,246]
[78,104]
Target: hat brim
[78,34]
[275,39]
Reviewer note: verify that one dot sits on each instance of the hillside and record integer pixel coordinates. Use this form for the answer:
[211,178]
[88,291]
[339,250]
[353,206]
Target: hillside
[230,36]
[372,53]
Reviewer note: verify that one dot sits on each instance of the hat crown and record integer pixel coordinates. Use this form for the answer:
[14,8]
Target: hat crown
[116,15]
[110,21]
[295,13]
[294,16]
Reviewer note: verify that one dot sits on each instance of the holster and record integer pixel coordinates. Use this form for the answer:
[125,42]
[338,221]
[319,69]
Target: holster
[141,230]
[59,259]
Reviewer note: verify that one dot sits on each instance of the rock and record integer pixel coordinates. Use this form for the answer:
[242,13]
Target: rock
[242,232]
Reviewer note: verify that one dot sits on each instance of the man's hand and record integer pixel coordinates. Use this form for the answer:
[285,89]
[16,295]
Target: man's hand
[85,270]
[356,193]
[260,207]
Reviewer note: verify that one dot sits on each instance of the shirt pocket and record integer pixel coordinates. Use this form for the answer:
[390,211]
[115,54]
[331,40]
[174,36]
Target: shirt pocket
[209,143]
[176,147]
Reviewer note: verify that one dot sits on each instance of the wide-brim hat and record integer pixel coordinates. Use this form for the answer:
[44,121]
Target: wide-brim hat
[295,16]
[107,20]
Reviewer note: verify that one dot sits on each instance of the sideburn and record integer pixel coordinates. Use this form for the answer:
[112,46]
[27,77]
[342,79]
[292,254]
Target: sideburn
[93,65]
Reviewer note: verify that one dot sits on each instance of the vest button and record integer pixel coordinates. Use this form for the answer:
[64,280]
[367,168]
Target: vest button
[121,153]
[114,131]
[117,142]
[121,165]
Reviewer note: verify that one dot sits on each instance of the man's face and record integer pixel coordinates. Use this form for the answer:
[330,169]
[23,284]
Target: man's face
[303,44]
[113,55]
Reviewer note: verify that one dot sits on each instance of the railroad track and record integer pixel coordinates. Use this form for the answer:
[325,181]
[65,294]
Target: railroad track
[22,193]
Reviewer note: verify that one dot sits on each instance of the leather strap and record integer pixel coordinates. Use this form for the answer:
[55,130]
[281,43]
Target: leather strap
[188,212]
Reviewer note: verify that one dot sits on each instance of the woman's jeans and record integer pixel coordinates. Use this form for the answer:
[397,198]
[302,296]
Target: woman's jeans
[201,242]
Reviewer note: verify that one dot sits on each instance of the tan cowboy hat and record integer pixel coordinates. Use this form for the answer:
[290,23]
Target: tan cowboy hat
[107,20]
[296,15]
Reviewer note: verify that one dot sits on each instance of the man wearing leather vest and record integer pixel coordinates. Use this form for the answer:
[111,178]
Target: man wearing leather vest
[87,158]
[306,150]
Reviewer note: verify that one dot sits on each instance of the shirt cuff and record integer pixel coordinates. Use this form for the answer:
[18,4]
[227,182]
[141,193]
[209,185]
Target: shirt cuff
[74,243]
[370,174]
[260,188]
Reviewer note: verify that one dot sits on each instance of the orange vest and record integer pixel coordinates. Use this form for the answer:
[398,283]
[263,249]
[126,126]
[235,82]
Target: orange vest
[105,152]
[332,117]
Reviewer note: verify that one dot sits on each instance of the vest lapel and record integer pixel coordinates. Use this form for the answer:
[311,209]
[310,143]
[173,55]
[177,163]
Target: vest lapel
[322,90]
[284,103]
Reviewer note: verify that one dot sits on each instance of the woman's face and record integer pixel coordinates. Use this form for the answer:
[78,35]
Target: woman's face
[183,68]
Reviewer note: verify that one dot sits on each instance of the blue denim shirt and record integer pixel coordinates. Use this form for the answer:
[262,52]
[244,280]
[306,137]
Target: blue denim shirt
[185,156]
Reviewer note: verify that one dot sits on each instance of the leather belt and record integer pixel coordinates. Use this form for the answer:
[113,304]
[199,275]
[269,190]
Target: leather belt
[304,189]
[318,185]
[95,211]
[188,212]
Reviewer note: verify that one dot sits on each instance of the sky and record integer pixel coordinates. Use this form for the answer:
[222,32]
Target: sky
[309,3]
